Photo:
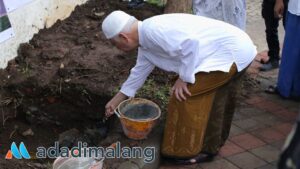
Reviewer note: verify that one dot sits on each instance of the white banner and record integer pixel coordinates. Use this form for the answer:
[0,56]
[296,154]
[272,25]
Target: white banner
[14,4]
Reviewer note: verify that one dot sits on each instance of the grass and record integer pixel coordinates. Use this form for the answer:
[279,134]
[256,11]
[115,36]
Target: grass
[157,2]
[154,92]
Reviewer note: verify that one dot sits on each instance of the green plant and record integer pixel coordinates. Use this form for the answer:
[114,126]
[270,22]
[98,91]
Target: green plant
[157,93]
[157,2]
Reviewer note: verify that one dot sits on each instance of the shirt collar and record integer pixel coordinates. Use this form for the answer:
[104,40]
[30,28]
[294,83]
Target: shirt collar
[141,37]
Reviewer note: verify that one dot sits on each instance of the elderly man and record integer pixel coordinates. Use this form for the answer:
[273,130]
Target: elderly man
[206,54]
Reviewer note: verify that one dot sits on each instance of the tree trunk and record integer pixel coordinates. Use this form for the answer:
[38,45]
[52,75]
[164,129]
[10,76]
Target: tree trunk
[178,6]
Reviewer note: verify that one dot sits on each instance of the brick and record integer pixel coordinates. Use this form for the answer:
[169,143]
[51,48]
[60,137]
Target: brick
[268,135]
[248,124]
[268,106]
[247,141]
[267,153]
[218,164]
[284,128]
[269,166]
[254,99]
[230,149]
[278,144]
[246,160]
[239,116]
[286,115]
[251,111]
[267,119]
[174,166]
[234,130]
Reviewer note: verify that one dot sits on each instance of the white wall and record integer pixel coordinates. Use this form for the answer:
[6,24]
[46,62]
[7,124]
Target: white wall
[29,19]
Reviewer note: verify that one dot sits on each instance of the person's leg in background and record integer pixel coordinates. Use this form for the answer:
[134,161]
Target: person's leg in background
[290,154]
[272,24]
[286,2]
[135,3]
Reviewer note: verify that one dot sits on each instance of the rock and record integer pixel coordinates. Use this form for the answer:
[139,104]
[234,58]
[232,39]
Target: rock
[54,53]
[30,118]
[69,137]
[82,40]
[112,138]
[128,165]
[28,132]
[33,109]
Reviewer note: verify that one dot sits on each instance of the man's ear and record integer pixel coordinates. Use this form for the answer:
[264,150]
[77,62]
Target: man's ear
[123,37]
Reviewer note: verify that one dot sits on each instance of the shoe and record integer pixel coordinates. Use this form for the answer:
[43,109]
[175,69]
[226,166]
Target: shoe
[270,65]
[200,158]
[272,90]
[135,3]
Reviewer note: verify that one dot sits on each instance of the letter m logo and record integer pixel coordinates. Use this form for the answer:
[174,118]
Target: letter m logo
[18,153]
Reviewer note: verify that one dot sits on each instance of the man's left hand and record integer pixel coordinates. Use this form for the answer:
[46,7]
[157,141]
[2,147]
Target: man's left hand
[180,89]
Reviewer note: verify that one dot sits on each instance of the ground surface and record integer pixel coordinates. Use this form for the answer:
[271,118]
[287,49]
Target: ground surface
[62,79]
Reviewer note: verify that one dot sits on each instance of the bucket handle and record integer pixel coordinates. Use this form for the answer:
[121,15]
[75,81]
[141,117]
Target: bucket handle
[117,113]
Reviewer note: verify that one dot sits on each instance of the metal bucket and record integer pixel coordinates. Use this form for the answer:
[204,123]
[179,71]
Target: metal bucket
[138,116]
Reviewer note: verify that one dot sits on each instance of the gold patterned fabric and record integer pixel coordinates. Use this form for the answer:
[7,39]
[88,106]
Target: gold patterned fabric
[187,121]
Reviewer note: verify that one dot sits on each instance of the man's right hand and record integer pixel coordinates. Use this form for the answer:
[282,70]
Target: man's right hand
[113,103]
[279,9]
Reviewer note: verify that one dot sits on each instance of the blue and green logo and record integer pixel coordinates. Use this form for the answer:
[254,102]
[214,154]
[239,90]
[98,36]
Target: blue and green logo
[16,152]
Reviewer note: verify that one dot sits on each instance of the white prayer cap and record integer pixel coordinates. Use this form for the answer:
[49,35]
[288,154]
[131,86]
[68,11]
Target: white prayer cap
[114,23]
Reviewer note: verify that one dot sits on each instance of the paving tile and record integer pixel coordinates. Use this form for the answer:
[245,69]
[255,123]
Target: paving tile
[278,144]
[254,99]
[267,153]
[267,119]
[274,163]
[234,130]
[284,128]
[269,106]
[251,111]
[170,166]
[268,135]
[248,124]
[247,141]
[246,160]
[238,116]
[268,166]
[295,109]
[286,115]
[230,149]
[219,164]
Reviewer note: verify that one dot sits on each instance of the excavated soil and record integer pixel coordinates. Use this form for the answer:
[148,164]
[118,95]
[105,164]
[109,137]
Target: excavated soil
[62,79]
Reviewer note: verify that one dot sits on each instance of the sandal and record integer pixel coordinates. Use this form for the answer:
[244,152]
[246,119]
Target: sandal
[272,90]
[200,158]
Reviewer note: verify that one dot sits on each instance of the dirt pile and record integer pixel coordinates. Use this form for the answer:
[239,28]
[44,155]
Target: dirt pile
[64,76]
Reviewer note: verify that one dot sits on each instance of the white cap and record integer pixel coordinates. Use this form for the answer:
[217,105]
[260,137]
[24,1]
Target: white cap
[114,23]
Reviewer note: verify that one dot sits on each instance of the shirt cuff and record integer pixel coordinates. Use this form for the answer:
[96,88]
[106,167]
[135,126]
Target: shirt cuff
[188,79]
[128,91]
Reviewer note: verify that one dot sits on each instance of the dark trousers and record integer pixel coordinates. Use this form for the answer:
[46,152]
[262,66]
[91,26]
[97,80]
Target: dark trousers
[272,24]
[221,115]
[291,152]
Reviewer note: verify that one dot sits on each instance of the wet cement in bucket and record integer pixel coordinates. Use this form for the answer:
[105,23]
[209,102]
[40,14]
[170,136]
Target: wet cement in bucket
[141,112]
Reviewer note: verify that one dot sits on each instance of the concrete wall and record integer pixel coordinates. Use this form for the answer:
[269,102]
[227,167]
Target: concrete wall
[29,19]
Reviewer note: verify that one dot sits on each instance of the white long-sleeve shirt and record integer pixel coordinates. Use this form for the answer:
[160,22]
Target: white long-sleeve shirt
[230,11]
[187,44]
[294,7]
